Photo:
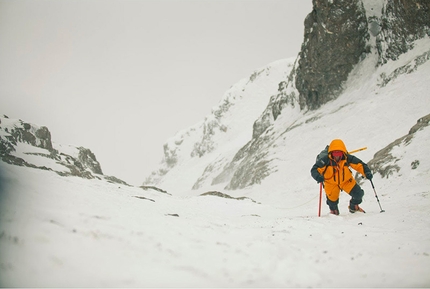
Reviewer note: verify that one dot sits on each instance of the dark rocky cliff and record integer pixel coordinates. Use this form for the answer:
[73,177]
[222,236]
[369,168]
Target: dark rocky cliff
[336,37]
[335,40]
[402,22]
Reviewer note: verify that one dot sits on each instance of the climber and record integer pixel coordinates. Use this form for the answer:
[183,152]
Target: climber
[333,171]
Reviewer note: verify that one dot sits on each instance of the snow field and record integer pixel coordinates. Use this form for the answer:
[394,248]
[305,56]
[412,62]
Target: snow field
[71,232]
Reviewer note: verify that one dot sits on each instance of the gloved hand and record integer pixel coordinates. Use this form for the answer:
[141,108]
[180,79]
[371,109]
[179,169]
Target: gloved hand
[369,175]
[320,179]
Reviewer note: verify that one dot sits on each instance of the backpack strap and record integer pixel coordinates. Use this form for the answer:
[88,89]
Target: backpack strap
[326,167]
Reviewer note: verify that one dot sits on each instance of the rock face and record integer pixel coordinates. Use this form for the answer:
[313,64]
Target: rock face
[88,160]
[335,40]
[402,22]
[36,136]
[336,37]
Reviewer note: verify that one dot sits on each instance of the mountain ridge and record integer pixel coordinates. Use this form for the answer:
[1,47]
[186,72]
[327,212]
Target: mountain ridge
[29,145]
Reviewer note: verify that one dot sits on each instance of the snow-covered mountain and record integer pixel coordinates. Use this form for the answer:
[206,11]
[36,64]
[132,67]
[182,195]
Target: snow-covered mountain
[236,205]
[205,148]
[29,145]
[329,76]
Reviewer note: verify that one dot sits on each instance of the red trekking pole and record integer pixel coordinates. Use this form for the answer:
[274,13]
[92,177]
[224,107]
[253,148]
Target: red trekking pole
[319,205]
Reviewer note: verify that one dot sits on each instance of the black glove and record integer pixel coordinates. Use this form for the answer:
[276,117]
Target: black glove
[320,179]
[369,175]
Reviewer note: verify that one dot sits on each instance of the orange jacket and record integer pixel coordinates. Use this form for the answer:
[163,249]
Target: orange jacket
[337,175]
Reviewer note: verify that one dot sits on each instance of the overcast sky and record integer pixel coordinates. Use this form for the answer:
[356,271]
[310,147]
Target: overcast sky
[121,77]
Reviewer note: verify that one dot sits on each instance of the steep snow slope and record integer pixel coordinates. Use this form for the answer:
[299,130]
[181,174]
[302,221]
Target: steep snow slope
[72,232]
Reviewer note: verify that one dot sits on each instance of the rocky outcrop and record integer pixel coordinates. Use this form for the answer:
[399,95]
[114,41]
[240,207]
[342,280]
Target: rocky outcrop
[33,135]
[25,144]
[335,39]
[88,160]
[287,96]
[402,22]
[384,162]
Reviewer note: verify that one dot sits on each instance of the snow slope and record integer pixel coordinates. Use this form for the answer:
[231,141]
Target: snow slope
[73,232]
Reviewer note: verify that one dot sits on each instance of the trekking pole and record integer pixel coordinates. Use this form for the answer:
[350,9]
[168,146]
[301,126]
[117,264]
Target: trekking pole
[377,197]
[319,206]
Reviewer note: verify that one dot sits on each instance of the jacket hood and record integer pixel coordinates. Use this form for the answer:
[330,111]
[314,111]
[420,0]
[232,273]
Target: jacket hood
[337,145]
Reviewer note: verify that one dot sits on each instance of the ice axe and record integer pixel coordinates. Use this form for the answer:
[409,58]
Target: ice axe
[377,197]
[357,150]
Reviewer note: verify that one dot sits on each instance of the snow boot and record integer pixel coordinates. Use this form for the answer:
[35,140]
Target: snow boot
[355,208]
[333,206]
[334,212]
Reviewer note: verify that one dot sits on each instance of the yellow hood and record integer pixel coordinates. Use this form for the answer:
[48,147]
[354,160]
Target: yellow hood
[337,145]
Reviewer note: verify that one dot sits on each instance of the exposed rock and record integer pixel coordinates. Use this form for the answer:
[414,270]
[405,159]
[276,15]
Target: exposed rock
[384,163]
[113,179]
[226,196]
[402,22]
[33,135]
[13,160]
[144,198]
[287,96]
[407,68]
[80,162]
[88,160]
[421,123]
[250,165]
[154,188]
[43,138]
[336,34]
